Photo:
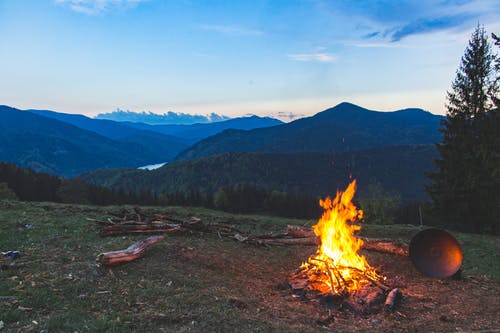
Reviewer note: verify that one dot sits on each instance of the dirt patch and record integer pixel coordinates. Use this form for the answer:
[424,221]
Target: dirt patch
[259,288]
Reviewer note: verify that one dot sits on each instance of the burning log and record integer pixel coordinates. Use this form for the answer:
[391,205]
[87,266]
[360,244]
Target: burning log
[133,252]
[337,274]
[372,244]
[337,267]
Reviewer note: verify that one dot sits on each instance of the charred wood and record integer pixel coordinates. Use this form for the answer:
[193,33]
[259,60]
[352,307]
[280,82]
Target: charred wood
[392,299]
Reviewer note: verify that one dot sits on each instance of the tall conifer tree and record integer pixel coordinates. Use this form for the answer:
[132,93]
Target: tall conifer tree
[464,184]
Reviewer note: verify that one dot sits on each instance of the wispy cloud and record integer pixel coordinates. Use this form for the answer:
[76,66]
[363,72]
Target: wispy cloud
[317,57]
[95,7]
[428,25]
[231,29]
[289,116]
[371,35]
[393,21]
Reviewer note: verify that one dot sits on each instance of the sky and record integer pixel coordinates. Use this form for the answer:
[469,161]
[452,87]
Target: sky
[281,58]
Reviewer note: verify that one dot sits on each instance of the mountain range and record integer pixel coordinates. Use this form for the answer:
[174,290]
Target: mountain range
[345,127]
[56,147]
[197,132]
[314,155]
[68,144]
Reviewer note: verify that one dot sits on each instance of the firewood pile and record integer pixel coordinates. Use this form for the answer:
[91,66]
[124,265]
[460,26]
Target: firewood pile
[371,298]
[138,223]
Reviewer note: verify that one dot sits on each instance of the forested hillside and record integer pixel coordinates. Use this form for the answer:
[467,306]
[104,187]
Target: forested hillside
[399,169]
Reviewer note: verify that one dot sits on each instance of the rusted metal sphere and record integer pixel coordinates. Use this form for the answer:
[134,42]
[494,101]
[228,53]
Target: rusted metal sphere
[436,253]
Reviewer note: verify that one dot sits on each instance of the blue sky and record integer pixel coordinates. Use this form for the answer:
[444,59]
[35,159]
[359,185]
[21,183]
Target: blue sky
[233,57]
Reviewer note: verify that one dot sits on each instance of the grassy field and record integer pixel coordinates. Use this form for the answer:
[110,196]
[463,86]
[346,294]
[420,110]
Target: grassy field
[202,283]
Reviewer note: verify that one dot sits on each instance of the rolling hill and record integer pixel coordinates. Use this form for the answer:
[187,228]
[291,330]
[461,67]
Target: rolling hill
[345,127]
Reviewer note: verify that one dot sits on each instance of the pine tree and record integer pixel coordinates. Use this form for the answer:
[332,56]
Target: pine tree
[464,185]
[495,89]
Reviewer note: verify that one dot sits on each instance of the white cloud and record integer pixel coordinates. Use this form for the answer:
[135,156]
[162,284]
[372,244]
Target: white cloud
[94,7]
[318,57]
[231,29]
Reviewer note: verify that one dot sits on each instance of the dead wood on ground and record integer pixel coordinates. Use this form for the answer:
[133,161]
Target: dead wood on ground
[133,252]
[135,223]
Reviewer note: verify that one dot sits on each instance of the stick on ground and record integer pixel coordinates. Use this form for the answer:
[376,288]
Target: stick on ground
[392,299]
[133,252]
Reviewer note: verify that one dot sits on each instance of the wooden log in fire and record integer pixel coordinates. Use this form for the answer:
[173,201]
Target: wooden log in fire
[373,244]
[133,252]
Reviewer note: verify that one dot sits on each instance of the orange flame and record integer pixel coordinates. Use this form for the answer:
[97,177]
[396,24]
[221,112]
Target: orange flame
[336,266]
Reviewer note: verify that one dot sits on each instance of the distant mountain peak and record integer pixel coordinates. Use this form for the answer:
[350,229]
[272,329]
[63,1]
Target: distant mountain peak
[343,105]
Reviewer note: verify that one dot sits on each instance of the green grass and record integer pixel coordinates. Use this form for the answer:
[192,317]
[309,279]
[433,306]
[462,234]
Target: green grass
[185,283]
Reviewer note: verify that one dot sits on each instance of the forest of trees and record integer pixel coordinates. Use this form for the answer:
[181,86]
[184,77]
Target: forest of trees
[28,185]
[25,184]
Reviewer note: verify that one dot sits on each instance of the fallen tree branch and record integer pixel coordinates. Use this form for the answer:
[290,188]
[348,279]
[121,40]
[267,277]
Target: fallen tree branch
[130,229]
[385,246]
[283,241]
[133,252]
[299,232]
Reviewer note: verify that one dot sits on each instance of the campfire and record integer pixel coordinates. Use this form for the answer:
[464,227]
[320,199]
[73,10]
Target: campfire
[337,267]
[337,275]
